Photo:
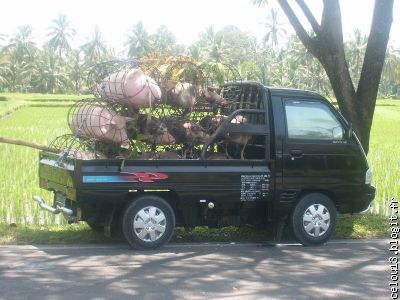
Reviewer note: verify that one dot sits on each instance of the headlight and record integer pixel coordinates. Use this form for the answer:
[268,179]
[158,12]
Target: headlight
[368,176]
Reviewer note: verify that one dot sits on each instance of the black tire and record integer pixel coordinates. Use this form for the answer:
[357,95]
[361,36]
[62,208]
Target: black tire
[313,220]
[143,222]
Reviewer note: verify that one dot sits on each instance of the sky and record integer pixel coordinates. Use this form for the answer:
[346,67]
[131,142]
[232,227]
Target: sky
[186,19]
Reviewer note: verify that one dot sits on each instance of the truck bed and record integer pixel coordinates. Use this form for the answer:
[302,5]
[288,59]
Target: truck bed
[191,180]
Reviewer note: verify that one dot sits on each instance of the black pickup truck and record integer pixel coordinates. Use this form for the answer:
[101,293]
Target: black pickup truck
[302,166]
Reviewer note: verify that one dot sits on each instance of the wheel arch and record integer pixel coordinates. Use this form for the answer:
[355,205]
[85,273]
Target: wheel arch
[171,197]
[305,192]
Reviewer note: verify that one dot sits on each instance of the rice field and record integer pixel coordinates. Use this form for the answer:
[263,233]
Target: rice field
[384,154]
[18,168]
[46,119]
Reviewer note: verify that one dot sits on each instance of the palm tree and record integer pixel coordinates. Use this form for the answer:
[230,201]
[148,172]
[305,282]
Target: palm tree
[139,42]
[76,70]
[163,41]
[3,70]
[60,35]
[355,50]
[390,81]
[275,30]
[194,51]
[264,60]
[237,45]
[21,52]
[18,72]
[22,42]
[50,75]
[250,71]
[3,63]
[212,46]
[95,49]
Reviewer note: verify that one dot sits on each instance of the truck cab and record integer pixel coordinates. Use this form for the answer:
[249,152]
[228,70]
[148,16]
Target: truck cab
[300,163]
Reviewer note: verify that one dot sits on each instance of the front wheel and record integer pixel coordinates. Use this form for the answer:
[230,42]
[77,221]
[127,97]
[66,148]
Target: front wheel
[313,220]
[148,222]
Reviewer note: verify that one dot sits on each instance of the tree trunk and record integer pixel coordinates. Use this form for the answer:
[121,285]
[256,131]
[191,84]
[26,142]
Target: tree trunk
[327,46]
[371,71]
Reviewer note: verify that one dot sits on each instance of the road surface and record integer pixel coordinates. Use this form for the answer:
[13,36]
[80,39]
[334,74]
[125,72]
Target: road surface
[338,270]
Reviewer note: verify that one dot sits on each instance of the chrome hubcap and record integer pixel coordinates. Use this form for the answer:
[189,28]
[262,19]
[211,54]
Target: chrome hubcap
[149,224]
[316,220]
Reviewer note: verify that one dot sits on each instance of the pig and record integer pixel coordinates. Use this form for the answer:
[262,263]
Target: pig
[131,88]
[241,139]
[182,95]
[211,123]
[213,97]
[99,123]
[157,130]
[195,133]
[187,132]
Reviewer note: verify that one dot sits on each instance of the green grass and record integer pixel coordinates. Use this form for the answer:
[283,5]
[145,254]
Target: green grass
[41,97]
[10,102]
[366,226]
[19,180]
[18,169]
[384,154]
[33,234]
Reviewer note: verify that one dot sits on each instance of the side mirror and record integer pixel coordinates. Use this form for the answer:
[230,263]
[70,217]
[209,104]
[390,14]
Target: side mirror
[349,131]
[337,133]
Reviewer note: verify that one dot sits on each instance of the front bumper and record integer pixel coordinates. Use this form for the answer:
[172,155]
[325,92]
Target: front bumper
[365,204]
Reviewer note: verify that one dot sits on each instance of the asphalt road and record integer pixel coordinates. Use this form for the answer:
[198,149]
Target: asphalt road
[338,270]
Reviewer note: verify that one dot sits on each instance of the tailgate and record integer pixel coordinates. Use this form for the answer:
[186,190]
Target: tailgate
[57,174]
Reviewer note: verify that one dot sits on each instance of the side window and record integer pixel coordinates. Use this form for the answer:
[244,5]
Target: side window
[311,120]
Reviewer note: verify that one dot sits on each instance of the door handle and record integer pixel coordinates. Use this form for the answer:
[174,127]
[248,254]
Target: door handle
[296,154]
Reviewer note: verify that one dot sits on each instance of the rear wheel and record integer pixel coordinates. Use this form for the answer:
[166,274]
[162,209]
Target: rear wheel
[148,222]
[314,219]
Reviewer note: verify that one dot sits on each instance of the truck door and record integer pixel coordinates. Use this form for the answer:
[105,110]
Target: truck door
[316,155]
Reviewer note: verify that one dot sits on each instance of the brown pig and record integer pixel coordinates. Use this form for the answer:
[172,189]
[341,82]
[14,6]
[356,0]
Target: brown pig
[187,132]
[99,123]
[131,88]
[195,133]
[213,97]
[182,95]
[241,139]
[157,130]
[212,123]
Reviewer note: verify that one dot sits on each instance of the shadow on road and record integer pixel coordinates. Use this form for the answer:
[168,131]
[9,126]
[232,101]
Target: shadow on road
[196,272]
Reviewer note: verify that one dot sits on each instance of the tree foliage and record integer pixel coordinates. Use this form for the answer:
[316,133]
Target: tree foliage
[356,97]
[61,33]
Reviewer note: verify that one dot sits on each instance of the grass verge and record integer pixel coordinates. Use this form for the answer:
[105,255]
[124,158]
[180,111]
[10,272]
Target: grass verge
[355,227]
